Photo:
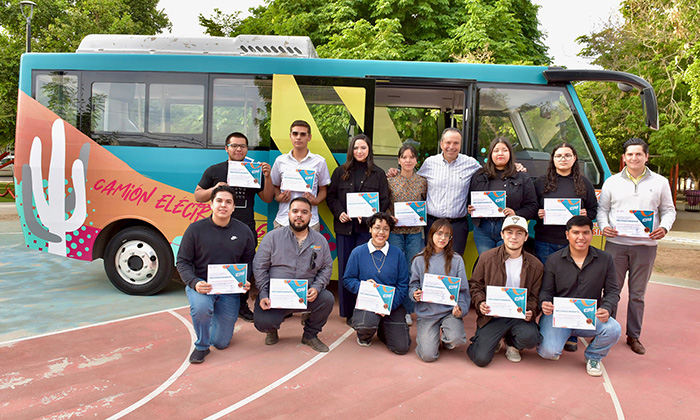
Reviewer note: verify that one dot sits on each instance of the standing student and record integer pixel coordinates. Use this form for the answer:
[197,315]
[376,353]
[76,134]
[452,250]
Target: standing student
[500,174]
[300,158]
[407,186]
[437,323]
[636,187]
[378,262]
[357,174]
[236,146]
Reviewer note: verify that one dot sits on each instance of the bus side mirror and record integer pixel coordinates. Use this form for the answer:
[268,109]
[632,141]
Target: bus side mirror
[650,107]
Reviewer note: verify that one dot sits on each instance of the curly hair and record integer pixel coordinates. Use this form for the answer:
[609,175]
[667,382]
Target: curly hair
[551,179]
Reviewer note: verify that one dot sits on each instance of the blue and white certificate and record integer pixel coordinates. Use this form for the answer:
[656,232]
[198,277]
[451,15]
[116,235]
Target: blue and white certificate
[633,223]
[227,278]
[558,211]
[374,297]
[440,289]
[410,213]
[363,204]
[506,302]
[577,314]
[288,293]
[299,180]
[244,174]
[488,203]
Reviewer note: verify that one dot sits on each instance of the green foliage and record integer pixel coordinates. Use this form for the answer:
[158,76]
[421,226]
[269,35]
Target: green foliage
[499,31]
[657,40]
[59,26]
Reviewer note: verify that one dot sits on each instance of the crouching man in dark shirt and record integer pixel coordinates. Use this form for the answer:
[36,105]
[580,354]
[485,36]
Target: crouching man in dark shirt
[583,272]
[219,239]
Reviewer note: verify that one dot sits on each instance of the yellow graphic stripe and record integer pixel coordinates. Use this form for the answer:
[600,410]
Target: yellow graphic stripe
[354,100]
[386,138]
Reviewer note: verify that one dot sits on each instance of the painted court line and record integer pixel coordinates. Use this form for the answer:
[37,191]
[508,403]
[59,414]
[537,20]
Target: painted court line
[185,364]
[607,384]
[280,381]
[6,343]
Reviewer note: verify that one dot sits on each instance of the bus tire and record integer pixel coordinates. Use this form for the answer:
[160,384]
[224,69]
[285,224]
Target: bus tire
[138,261]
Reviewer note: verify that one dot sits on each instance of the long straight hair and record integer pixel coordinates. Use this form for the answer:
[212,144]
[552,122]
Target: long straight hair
[551,179]
[350,161]
[431,249]
[490,167]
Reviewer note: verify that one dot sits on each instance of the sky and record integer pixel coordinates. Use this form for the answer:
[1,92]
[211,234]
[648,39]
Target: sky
[562,20]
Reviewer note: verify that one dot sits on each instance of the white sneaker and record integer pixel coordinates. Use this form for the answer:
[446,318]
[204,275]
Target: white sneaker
[364,343]
[409,320]
[513,354]
[593,367]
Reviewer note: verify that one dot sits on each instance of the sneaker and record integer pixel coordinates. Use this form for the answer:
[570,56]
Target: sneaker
[315,344]
[272,338]
[513,354]
[245,313]
[555,358]
[364,343]
[447,346]
[499,346]
[636,346]
[593,367]
[198,356]
[571,344]
[409,320]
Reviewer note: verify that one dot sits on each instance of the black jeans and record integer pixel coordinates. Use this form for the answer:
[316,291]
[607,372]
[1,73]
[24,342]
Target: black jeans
[517,332]
[321,307]
[391,329]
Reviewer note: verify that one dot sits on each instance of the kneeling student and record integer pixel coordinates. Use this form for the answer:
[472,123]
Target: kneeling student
[435,319]
[584,272]
[506,266]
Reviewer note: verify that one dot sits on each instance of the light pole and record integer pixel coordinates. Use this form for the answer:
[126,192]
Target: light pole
[22,6]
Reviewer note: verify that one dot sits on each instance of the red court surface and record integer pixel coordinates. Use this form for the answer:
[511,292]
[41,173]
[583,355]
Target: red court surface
[137,368]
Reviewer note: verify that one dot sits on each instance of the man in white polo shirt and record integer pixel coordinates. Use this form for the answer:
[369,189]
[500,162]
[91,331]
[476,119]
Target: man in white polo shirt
[300,157]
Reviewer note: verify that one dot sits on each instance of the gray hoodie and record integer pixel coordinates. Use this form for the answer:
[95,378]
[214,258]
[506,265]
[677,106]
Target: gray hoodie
[437,266]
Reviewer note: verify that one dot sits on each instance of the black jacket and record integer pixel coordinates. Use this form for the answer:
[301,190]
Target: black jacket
[337,199]
[520,192]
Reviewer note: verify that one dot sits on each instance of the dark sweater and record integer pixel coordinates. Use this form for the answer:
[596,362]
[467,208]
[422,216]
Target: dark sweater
[204,243]
[555,234]
[394,272]
[520,192]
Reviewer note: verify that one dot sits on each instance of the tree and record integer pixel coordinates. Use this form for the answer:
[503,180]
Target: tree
[498,31]
[657,40]
[59,26]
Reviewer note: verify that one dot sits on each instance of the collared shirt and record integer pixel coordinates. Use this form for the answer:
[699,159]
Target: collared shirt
[372,248]
[287,162]
[635,179]
[279,256]
[596,279]
[448,184]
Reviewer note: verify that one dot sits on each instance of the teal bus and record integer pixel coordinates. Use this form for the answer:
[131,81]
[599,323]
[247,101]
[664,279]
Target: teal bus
[113,139]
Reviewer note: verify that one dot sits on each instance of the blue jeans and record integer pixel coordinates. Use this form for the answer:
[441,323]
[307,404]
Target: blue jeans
[488,235]
[410,244]
[213,318]
[545,249]
[606,334]
[428,335]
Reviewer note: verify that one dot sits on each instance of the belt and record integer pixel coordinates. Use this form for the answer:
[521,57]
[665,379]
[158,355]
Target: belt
[450,219]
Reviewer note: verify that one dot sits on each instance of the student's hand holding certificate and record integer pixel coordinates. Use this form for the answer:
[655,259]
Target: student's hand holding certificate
[227,278]
[507,302]
[488,203]
[375,297]
[244,174]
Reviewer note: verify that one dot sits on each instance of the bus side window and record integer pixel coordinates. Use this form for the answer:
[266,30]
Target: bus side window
[58,91]
[118,107]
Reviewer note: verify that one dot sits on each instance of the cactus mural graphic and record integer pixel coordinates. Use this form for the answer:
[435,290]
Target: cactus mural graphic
[57,211]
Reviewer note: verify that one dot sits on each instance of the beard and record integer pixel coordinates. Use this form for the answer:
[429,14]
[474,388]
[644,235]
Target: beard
[298,228]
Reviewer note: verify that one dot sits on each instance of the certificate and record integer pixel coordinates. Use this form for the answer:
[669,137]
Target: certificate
[244,174]
[488,203]
[373,297]
[506,302]
[410,213]
[362,204]
[288,293]
[558,211]
[440,289]
[577,314]
[634,223]
[227,278]
[300,180]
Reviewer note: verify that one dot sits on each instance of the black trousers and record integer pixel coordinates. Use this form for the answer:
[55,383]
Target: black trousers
[321,307]
[391,329]
[517,332]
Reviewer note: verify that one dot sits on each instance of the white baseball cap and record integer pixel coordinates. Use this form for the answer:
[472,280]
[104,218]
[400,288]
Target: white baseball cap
[514,221]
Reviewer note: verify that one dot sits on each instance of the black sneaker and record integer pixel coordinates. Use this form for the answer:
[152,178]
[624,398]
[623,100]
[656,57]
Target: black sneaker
[198,356]
[272,338]
[571,344]
[245,313]
[315,344]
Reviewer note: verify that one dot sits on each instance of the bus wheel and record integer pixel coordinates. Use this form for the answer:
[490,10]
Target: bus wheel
[138,261]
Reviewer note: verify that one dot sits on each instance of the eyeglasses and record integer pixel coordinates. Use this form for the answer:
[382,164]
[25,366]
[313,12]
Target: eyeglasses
[443,235]
[237,146]
[313,261]
[381,229]
[563,157]
[299,133]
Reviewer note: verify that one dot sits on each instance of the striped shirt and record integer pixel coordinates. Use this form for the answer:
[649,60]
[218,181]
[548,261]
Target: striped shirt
[448,184]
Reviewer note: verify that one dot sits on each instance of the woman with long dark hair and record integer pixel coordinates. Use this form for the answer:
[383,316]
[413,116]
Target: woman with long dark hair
[357,174]
[499,174]
[433,318]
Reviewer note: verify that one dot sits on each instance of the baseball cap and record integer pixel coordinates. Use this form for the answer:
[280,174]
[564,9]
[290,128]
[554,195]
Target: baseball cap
[514,221]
